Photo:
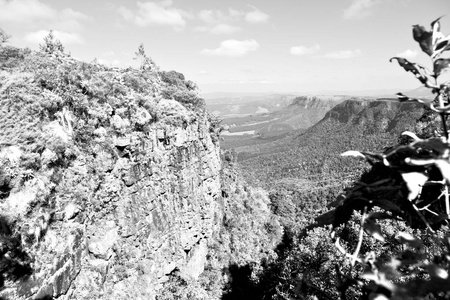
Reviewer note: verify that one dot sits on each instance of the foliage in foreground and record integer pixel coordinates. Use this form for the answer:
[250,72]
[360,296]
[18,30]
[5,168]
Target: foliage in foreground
[411,187]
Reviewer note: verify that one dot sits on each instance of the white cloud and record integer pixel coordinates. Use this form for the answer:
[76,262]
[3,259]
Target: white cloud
[209,16]
[344,54]
[33,14]
[359,9]
[408,53]
[125,13]
[69,20]
[219,29]
[233,48]
[256,16]
[24,11]
[40,15]
[302,50]
[235,13]
[153,13]
[220,22]
[66,38]
[217,16]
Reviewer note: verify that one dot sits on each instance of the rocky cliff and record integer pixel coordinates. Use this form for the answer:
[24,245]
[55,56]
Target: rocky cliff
[375,116]
[110,181]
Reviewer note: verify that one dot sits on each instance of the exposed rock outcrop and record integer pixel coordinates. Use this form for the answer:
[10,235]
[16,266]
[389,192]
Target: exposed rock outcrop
[144,217]
[381,115]
[113,189]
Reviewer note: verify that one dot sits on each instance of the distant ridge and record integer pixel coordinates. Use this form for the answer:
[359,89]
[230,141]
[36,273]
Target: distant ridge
[361,124]
[385,93]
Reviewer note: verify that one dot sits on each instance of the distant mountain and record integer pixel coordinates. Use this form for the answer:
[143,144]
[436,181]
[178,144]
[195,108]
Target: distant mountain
[246,104]
[230,95]
[356,124]
[359,93]
[302,113]
[420,92]
[263,127]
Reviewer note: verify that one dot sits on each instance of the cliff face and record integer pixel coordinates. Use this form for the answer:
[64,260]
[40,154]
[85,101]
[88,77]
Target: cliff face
[146,214]
[113,188]
[324,103]
[376,115]
[150,219]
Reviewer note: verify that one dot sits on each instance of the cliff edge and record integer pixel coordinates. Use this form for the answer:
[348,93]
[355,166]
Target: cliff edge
[111,180]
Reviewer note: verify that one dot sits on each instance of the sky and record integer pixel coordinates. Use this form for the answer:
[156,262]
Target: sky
[259,46]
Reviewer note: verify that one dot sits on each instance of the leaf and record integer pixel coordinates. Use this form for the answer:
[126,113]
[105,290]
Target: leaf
[420,162]
[353,153]
[435,144]
[437,272]
[379,216]
[370,157]
[441,46]
[440,42]
[440,64]
[419,71]
[424,38]
[403,98]
[370,276]
[410,257]
[379,297]
[432,42]
[387,205]
[326,218]
[414,182]
[374,229]
[436,27]
[444,166]
[411,135]
[410,240]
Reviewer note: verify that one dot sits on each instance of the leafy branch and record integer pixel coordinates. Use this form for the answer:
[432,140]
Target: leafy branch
[412,186]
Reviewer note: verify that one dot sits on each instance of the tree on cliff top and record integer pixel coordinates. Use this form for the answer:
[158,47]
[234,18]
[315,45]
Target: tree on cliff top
[4,37]
[51,44]
[146,63]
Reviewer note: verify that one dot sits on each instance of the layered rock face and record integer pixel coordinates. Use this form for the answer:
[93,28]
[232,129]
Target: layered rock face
[376,115]
[144,217]
[160,215]
[320,102]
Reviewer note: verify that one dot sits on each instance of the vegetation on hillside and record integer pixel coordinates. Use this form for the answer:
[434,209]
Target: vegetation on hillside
[249,233]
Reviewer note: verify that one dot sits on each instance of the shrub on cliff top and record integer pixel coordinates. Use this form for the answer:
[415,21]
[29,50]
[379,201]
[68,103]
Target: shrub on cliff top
[178,88]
